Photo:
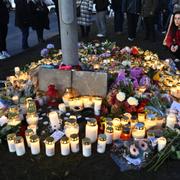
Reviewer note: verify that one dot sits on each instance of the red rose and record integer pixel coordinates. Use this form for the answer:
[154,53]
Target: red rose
[134,50]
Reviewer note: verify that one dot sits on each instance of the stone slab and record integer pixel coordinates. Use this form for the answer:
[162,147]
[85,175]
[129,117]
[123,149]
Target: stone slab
[85,82]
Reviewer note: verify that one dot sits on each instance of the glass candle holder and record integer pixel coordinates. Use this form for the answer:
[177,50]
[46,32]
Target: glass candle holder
[133,121]
[86,147]
[35,145]
[141,117]
[101,145]
[92,130]
[116,122]
[74,142]
[97,105]
[117,132]
[109,135]
[151,121]
[50,146]
[65,146]
[124,120]
[139,131]
[28,134]
[10,140]
[126,133]
[71,127]
[19,146]
[32,119]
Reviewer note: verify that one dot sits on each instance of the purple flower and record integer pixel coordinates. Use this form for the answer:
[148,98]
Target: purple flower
[105,55]
[121,76]
[44,52]
[135,83]
[145,81]
[50,46]
[136,72]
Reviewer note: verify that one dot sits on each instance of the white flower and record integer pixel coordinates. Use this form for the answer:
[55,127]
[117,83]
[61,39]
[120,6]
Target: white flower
[132,101]
[126,63]
[120,96]
[50,46]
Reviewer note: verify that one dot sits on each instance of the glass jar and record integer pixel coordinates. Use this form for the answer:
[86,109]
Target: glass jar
[150,121]
[124,120]
[30,106]
[35,145]
[28,134]
[133,121]
[126,133]
[32,118]
[101,145]
[139,131]
[116,122]
[65,146]
[117,132]
[86,147]
[74,141]
[10,140]
[19,146]
[92,130]
[71,127]
[50,146]
[109,135]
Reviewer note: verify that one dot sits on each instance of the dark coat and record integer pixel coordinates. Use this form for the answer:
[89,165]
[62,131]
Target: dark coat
[149,7]
[117,5]
[38,15]
[22,17]
[101,5]
[4,13]
[132,6]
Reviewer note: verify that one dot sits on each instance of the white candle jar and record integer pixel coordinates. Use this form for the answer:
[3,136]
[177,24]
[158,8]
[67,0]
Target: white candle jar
[171,120]
[125,120]
[109,135]
[65,146]
[62,108]
[10,140]
[116,122]
[28,134]
[54,120]
[150,121]
[33,127]
[117,132]
[101,145]
[133,121]
[86,147]
[92,130]
[32,119]
[19,145]
[97,105]
[141,117]
[74,141]
[50,146]
[35,145]
[71,127]
[87,101]
[139,131]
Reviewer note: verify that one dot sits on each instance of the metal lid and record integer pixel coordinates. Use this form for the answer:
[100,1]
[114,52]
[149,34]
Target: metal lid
[49,140]
[71,121]
[133,118]
[109,129]
[125,118]
[18,139]
[150,116]
[29,132]
[102,137]
[34,138]
[64,140]
[11,136]
[139,126]
[74,137]
[92,122]
[86,141]
[118,128]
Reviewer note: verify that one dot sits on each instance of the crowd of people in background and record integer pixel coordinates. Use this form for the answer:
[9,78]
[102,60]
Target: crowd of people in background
[152,15]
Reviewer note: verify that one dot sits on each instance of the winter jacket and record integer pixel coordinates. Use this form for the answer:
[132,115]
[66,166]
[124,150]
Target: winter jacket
[117,5]
[101,5]
[38,15]
[4,13]
[132,6]
[149,8]
[22,17]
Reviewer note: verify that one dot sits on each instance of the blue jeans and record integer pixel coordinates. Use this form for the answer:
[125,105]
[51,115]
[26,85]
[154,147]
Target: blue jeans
[118,21]
[25,35]
[101,22]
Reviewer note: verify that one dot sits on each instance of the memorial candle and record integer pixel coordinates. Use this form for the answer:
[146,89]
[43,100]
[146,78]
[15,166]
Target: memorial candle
[86,147]
[28,134]
[74,141]
[65,146]
[35,145]
[10,140]
[101,145]
[19,146]
[50,146]
[109,135]
[54,120]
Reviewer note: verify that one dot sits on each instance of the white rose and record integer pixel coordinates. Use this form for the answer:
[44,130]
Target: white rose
[132,101]
[126,63]
[120,96]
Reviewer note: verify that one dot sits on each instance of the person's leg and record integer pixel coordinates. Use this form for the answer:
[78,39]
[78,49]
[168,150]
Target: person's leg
[82,30]
[87,30]
[98,22]
[118,21]
[146,23]
[135,21]
[25,34]
[152,28]
[102,17]
[40,35]
[130,25]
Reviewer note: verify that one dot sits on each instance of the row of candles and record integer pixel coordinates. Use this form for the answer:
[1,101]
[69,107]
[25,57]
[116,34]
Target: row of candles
[16,144]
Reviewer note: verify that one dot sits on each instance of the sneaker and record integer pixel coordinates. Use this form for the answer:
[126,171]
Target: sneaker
[130,39]
[163,32]
[2,56]
[5,53]
[100,35]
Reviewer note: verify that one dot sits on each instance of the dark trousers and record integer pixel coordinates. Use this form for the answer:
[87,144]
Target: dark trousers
[118,21]
[149,28]
[132,24]
[3,35]
[25,35]
[39,33]
[85,30]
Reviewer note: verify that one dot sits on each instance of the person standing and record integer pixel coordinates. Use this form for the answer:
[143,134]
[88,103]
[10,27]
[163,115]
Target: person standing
[85,19]
[148,11]
[101,10]
[39,19]
[4,20]
[117,6]
[22,20]
[133,10]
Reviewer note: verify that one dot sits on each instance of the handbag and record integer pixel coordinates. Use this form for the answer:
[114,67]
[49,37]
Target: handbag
[78,10]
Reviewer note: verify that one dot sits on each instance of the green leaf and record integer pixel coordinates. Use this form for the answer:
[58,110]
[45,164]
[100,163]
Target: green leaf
[178,154]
